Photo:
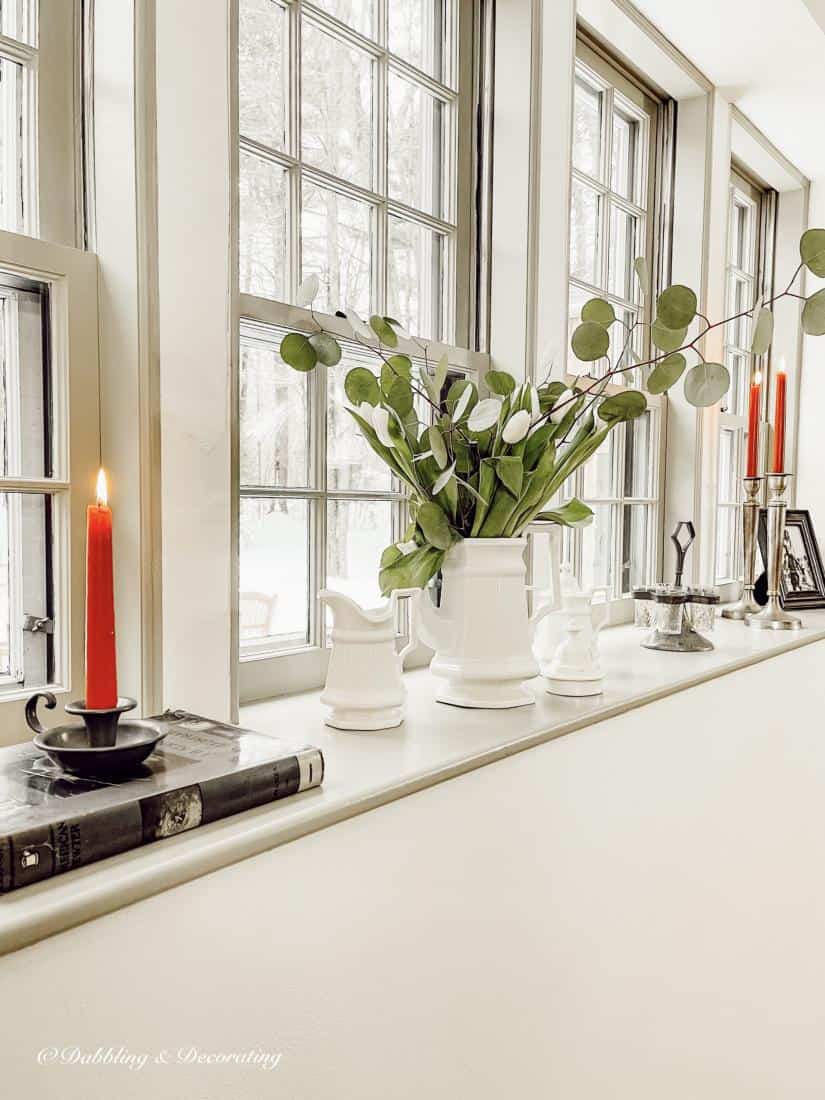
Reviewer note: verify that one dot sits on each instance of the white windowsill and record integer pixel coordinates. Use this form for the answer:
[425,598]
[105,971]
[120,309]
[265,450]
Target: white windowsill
[365,770]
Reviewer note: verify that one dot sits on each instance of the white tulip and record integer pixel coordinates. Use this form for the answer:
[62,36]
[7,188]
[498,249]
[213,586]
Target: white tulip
[557,413]
[443,479]
[535,405]
[381,422]
[364,410]
[307,291]
[462,403]
[484,415]
[516,427]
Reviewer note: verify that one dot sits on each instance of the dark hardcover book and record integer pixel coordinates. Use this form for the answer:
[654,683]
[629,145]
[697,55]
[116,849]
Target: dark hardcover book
[51,821]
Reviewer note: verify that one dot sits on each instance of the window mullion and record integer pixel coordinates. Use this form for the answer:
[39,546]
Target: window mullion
[379,216]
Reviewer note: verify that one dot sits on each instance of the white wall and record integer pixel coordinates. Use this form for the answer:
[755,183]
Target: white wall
[633,911]
[810,489]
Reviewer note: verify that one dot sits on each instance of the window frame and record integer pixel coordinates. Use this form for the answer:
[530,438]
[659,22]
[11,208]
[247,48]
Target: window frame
[743,192]
[617,84]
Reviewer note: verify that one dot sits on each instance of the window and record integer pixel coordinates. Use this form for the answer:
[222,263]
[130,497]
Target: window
[611,223]
[18,98]
[745,281]
[349,170]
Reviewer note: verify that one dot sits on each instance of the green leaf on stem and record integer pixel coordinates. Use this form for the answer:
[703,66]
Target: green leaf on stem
[297,352]
[397,366]
[666,339]
[327,348]
[536,444]
[385,333]
[361,385]
[762,332]
[435,526]
[706,383]
[510,472]
[437,446]
[390,555]
[813,314]
[412,570]
[400,397]
[440,377]
[600,311]
[549,393]
[461,397]
[486,487]
[812,251]
[573,514]
[622,406]
[499,382]
[676,307]
[590,341]
[666,373]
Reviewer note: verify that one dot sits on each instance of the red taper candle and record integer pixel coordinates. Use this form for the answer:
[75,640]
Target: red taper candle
[101,662]
[751,465]
[779,422]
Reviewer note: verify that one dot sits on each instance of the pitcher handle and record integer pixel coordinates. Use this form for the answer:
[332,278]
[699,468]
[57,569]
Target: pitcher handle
[602,618]
[413,595]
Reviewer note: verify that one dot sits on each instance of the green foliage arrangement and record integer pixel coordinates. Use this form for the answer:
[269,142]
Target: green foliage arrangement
[487,464]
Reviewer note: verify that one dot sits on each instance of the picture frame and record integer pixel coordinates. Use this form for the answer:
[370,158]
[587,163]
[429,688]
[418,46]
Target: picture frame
[803,576]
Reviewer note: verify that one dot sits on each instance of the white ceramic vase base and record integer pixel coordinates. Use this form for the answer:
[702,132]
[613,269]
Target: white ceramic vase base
[485,696]
[574,689]
[349,718]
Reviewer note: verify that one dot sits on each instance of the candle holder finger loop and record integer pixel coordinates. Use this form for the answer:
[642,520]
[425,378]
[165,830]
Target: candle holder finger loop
[750,522]
[773,616]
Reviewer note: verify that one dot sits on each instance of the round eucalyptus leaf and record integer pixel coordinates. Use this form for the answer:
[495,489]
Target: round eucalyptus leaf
[400,397]
[397,366]
[590,341]
[437,446]
[676,307]
[385,333]
[642,274]
[623,406]
[327,348]
[812,251]
[361,330]
[813,314]
[361,385]
[307,291]
[297,352]
[706,383]
[666,373]
[500,382]
[762,332]
[667,339]
[600,311]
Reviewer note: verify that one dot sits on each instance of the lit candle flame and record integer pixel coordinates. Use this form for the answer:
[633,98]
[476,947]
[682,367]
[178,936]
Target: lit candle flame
[102,490]
[757,378]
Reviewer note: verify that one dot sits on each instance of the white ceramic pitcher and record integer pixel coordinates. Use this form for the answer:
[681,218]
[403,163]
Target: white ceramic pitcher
[364,688]
[481,633]
[576,666]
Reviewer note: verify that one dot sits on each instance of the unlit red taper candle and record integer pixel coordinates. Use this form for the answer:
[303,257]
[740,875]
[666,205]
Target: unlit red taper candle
[101,663]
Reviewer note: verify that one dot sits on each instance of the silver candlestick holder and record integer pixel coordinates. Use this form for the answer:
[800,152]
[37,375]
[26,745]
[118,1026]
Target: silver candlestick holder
[772,616]
[750,522]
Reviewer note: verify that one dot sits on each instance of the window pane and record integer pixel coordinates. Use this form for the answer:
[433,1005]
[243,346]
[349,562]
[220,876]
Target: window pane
[638,464]
[575,302]
[24,383]
[597,548]
[587,128]
[726,524]
[358,14]
[741,245]
[274,420]
[18,20]
[414,277]
[584,233]
[351,462]
[336,244]
[624,157]
[358,532]
[599,471]
[625,246]
[416,136]
[734,401]
[622,341]
[263,234]
[416,32]
[262,72]
[635,565]
[11,146]
[741,297]
[274,571]
[336,106]
[25,587]
[728,466]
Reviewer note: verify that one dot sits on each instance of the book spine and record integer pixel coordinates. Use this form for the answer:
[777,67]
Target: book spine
[31,855]
[40,852]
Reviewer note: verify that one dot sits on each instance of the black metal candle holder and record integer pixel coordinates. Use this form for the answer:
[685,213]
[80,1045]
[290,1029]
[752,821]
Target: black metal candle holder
[103,746]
